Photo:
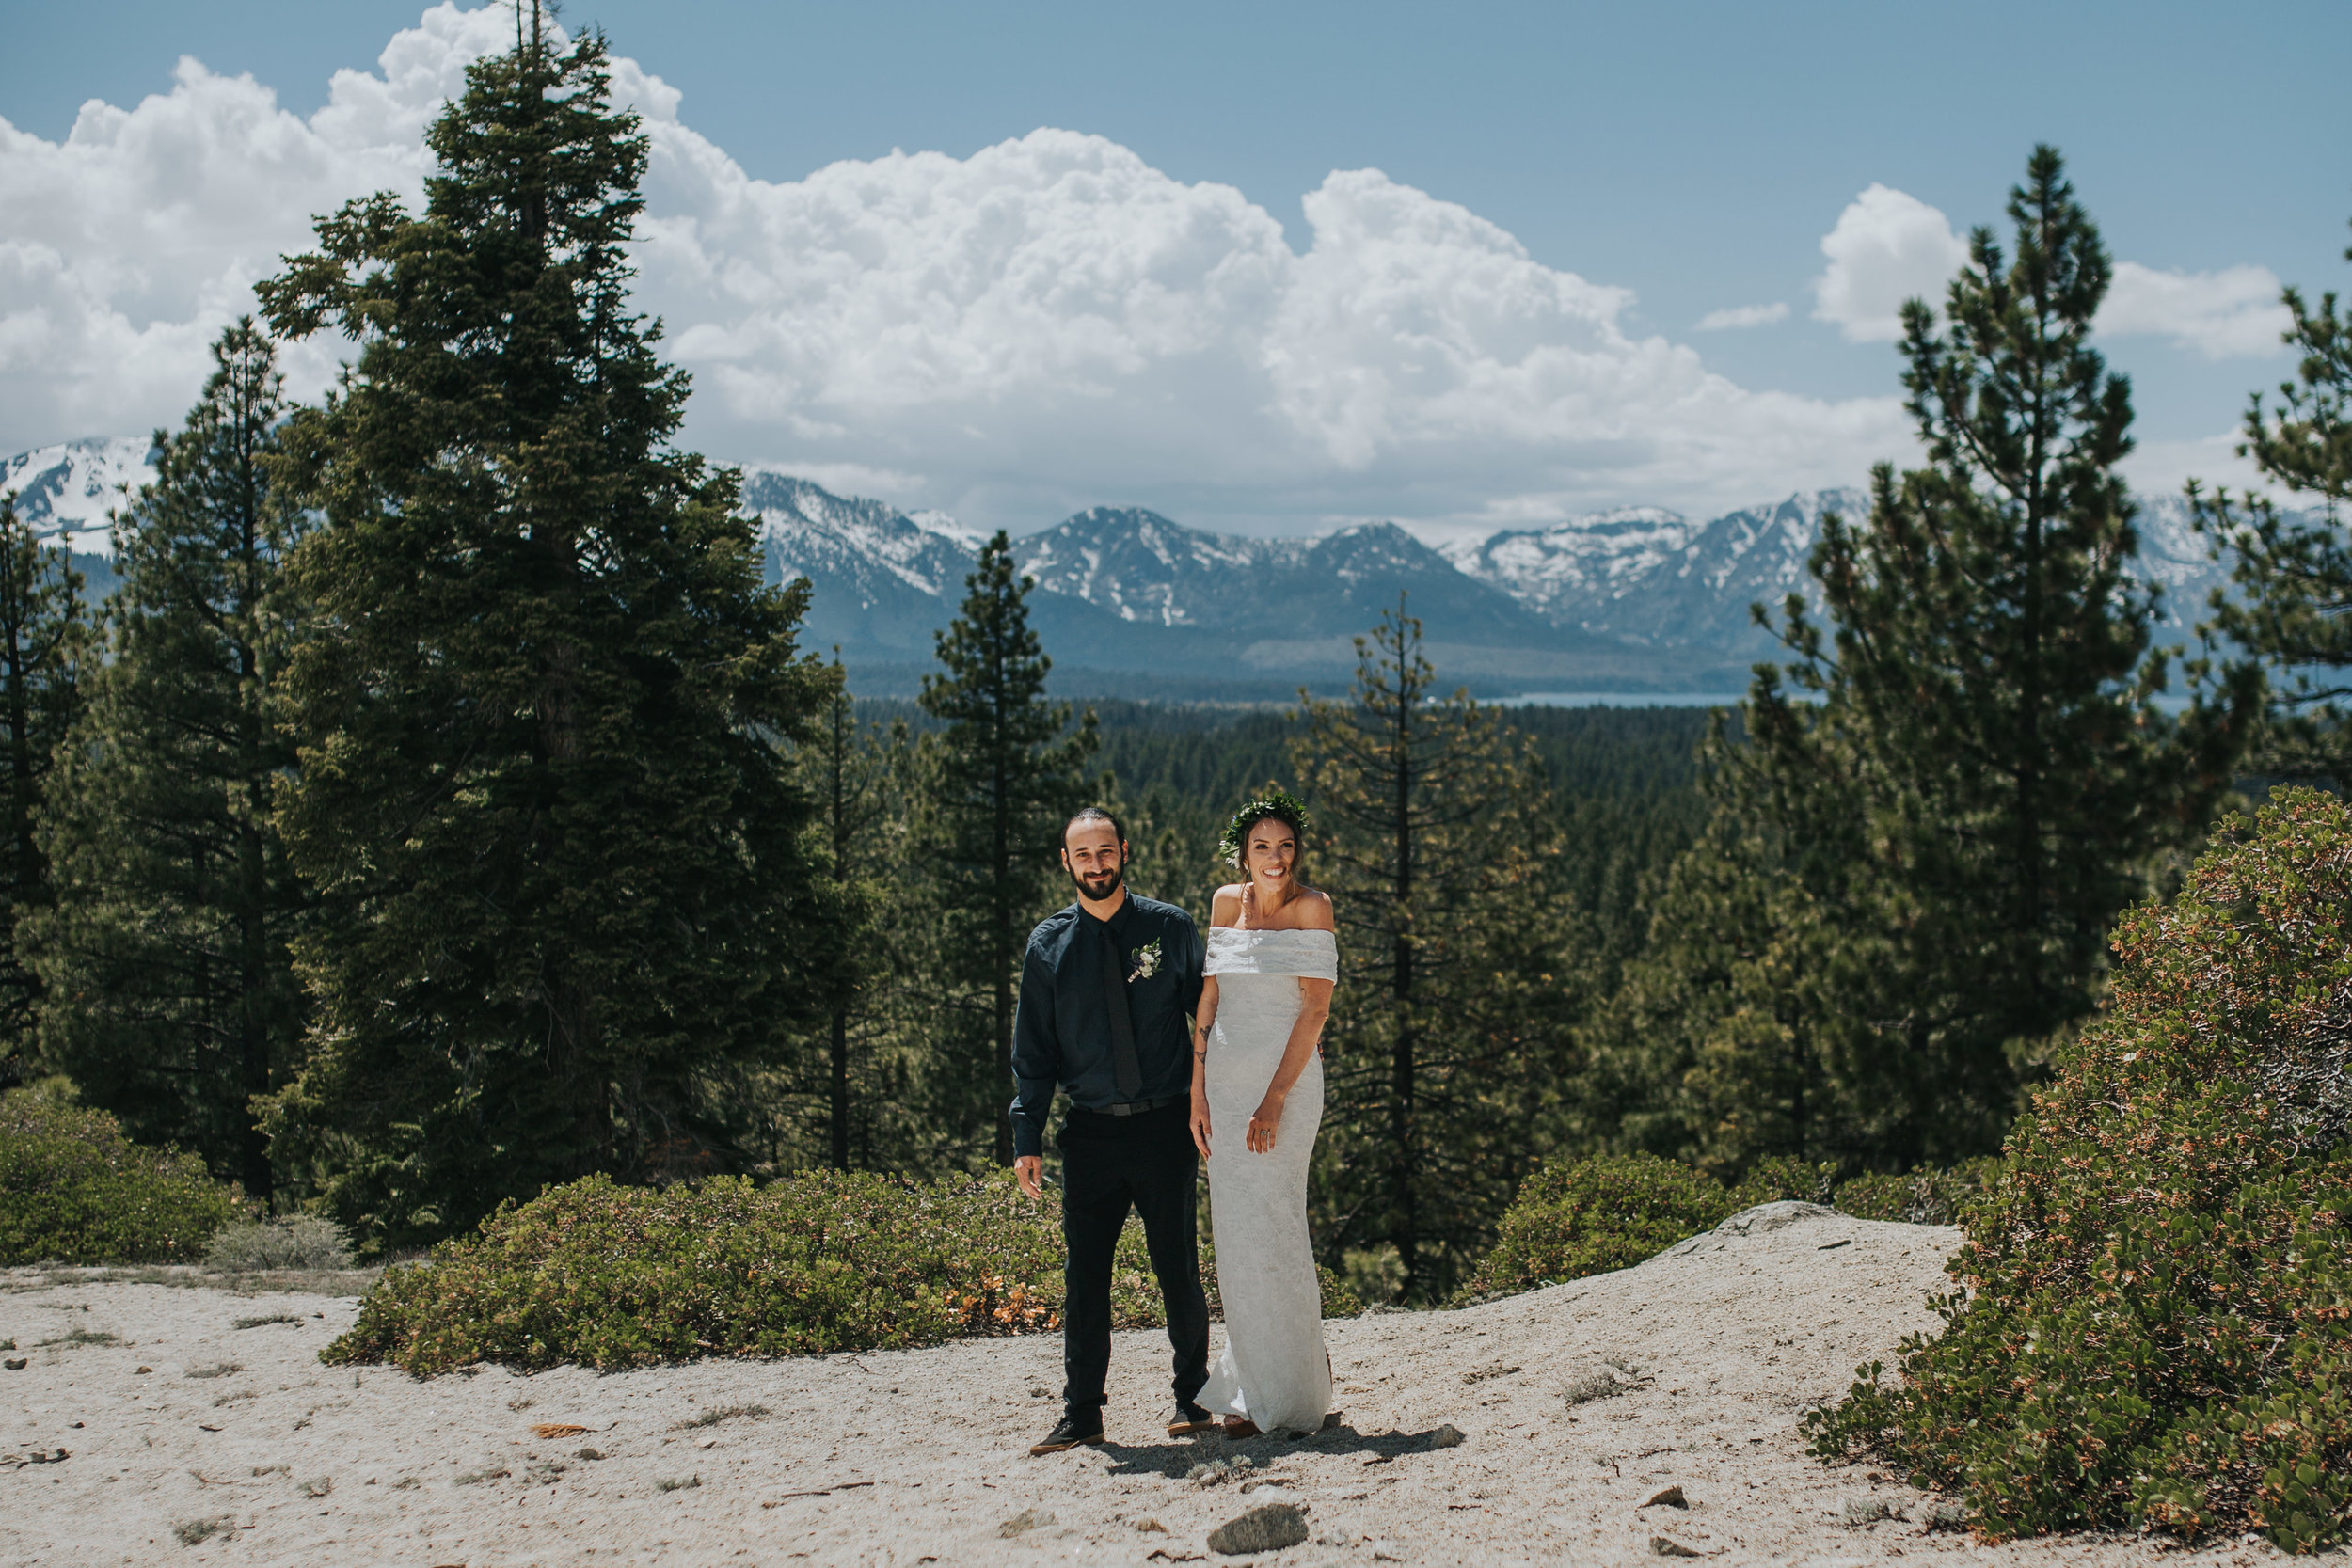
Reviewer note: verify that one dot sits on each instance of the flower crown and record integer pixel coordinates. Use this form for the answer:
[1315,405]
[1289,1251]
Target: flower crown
[1275,801]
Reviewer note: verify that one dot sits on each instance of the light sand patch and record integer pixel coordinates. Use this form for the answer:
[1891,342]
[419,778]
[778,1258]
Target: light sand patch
[897,1458]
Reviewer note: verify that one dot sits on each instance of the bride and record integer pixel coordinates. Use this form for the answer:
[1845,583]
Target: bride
[1257,1064]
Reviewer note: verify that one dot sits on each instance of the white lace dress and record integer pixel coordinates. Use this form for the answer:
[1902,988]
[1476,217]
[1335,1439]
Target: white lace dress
[1274,1369]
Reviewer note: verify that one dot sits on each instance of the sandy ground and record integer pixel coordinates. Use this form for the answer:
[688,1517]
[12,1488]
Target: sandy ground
[182,1418]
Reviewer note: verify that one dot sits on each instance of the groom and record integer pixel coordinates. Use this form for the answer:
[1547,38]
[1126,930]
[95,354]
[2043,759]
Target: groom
[1107,991]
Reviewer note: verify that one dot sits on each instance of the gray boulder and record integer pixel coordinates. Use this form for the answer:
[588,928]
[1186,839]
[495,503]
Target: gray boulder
[1268,1528]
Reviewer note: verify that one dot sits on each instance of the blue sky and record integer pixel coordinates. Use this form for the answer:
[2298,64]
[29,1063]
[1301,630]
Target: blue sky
[1693,154]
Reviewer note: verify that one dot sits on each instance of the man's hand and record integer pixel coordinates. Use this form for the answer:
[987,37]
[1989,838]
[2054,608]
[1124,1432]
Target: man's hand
[1030,1169]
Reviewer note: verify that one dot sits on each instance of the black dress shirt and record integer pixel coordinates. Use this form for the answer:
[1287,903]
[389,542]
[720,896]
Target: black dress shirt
[1061,1035]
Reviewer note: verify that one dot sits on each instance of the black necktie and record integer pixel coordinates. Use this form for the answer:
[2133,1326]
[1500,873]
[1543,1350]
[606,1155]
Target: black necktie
[1123,1065]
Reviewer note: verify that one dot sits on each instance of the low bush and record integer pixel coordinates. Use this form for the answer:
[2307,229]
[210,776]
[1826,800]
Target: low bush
[2156,1324]
[1613,1211]
[1591,1216]
[1602,1213]
[609,1277]
[1925,1197]
[74,1190]
[303,1242]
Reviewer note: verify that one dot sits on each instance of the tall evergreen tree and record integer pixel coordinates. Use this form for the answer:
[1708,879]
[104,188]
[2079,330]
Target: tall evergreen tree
[2292,615]
[1435,840]
[1975,778]
[853,772]
[171,997]
[546,793]
[44,641]
[1734,1032]
[1001,780]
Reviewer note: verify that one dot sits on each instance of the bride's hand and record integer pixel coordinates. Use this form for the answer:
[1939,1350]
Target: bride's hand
[1200,1123]
[1263,1124]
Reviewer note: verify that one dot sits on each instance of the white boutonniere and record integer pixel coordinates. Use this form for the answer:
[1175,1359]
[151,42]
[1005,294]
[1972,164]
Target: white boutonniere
[1147,961]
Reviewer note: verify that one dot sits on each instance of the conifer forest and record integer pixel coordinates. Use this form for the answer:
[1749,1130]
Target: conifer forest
[444,805]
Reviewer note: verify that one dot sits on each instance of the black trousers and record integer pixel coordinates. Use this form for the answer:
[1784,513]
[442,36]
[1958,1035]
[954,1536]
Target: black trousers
[1110,1164]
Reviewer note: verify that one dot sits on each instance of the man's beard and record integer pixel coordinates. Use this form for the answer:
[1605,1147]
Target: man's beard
[1109,886]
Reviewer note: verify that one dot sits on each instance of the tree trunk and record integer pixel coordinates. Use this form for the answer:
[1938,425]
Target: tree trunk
[2030,700]
[252,907]
[1406,1224]
[838,731]
[840,1088]
[253,1040]
[24,852]
[253,967]
[1001,955]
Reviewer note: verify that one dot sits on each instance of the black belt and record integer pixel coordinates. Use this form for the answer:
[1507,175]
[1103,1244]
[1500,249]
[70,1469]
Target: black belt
[1133,1107]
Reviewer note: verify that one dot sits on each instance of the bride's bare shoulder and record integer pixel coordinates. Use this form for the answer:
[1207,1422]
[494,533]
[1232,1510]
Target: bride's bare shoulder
[1225,908]
[1314,910]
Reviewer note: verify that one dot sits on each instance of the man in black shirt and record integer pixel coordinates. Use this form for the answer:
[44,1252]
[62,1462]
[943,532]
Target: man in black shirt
[1108,988]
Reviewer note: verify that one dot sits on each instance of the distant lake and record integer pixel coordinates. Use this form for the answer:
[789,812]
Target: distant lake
[1619,699]
[2166,702]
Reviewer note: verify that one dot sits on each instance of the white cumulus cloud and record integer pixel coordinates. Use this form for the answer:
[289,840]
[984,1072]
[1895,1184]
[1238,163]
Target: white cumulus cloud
[2234,312]
[1047,322]
[130,243]
[1732,318]
[2162,467]
[1887,248]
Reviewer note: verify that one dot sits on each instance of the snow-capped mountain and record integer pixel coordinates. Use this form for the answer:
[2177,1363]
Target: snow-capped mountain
[880,576]
[64,491]
[2173,554]
[1145,568]
[1646,576]
[1140,566]
[1651,577]
[1122,589]
[1638,598]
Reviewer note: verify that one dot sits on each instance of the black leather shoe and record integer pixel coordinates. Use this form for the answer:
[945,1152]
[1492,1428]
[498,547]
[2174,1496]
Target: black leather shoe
[1190,1417]
[1070,1432]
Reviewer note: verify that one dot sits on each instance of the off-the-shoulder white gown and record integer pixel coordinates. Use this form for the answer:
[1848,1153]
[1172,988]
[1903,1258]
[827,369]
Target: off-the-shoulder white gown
[1274,1369]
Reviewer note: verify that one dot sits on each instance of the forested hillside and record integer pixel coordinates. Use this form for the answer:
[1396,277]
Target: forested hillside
[1624,789]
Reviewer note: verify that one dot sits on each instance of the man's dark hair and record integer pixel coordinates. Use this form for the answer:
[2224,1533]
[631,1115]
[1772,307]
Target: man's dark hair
[1092,813]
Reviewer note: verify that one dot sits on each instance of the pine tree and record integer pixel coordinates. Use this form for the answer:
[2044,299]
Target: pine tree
[171,991]
[1434,838]
[1974,777]
[1731,1034]
[1000,780]
[2294,576]
[854,771]
[546,793]
[44,641]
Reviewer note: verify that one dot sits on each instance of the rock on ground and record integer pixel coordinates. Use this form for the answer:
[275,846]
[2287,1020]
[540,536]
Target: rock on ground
[1267,1527]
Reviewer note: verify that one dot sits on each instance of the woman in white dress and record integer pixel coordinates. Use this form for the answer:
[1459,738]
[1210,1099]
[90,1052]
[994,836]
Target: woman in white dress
[1257,1073]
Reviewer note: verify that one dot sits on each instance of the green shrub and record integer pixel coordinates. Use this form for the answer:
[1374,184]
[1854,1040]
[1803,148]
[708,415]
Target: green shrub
[1613,1211]
[1925,1197]
[607,1275]
[2153,1331]
[1609,1211]
[74,1190]
[302,1242]
[1778,1178]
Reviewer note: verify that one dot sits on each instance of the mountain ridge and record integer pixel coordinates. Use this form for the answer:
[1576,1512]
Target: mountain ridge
[1631,599]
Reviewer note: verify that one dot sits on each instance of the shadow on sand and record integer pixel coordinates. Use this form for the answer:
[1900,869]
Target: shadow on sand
[1178,1455]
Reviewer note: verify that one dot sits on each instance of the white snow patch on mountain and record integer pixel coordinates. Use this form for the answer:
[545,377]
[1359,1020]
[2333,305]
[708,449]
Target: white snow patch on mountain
[1142,566]
[64,491]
